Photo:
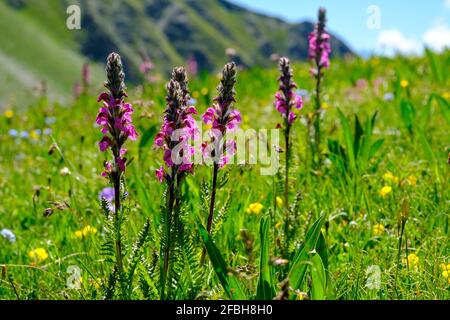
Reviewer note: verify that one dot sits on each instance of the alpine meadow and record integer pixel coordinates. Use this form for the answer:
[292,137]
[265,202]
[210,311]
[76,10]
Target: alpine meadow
[198,150]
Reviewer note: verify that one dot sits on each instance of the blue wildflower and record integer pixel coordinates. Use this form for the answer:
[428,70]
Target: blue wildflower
[107,194]
[389,96]
[302,92]
[8,234]
[13,132]
[50,120]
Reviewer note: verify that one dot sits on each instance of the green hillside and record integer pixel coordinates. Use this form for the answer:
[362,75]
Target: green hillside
[38,48]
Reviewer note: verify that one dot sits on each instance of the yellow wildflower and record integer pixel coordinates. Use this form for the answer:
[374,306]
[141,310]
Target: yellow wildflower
[446,271]
[279,201]
[255,208]
[301,295]
[378,230]
[9,114]
[446,95]
[204,91]
[86,231]
[195,95]
[412,261]
[89,230]
[34,135]
[278,225]
[38,254]
[404,84]
[385,191]
[95,283]
[412,180]
[389,177]
[245,118]
[325,106]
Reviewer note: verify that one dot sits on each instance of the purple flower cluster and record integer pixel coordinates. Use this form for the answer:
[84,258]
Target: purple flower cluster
[86,73]
[222,118]
[146,66]
[286,98]
[319,44]
[192,66]
[178,128]
[114,116]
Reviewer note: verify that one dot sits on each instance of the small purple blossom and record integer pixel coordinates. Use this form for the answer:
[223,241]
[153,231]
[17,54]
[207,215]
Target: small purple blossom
[77,89]
[179,127]
[319,45]
[222,118]
[146,66]
[160,174]
[86,75]
[286,98]
[114,117]
[192,66]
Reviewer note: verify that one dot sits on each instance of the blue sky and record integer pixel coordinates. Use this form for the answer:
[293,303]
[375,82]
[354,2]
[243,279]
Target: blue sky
[405,26]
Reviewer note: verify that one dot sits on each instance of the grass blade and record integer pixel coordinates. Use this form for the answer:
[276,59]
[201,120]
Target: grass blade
[299,266]
[348,139]
[229,283]
[444,104]
[265,290]
[318,277]
[429,154]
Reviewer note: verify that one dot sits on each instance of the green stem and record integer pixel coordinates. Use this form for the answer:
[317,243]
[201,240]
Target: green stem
[211,206]
[318,108]
[167,229]
[117,208]
[286,182]
[213,197]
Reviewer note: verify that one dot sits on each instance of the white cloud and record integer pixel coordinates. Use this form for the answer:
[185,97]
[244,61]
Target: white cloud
[438,37]
[391,42]
[447,4]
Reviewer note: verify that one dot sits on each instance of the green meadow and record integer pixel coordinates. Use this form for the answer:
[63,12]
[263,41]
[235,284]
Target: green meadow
[371,222]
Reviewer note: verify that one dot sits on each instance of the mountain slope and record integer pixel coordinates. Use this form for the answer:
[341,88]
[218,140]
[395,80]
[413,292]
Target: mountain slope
[36,44]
